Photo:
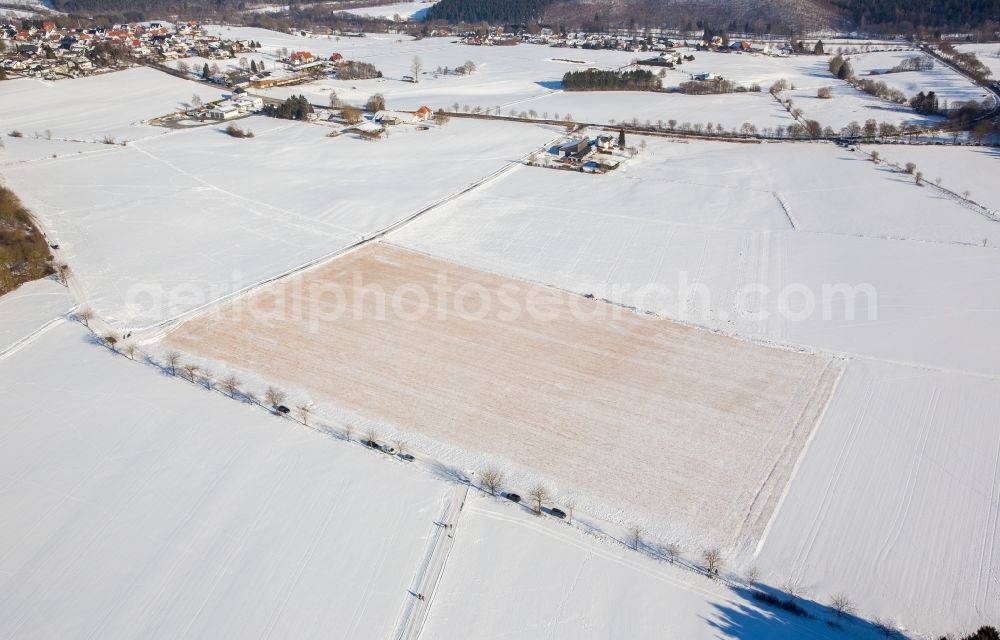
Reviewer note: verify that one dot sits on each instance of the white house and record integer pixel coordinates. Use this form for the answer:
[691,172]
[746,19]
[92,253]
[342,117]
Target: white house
[223,111]
[248,104]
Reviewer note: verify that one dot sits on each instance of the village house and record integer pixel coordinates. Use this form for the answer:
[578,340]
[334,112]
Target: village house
[224,110]
[299,58]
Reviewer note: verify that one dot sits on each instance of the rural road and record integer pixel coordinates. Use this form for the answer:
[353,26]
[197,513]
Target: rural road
[428,573]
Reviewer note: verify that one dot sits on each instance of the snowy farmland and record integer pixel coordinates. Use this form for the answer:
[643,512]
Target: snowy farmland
[784,349]
[401,10]
[91,109]
[897,496]
[942,80]
[735,216]
[564,586]
[150,507]
[507,381]
[960,168]
[164,225]
[30,307]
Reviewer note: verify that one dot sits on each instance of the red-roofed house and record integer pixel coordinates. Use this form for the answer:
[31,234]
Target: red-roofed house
[423,113]
[301,57]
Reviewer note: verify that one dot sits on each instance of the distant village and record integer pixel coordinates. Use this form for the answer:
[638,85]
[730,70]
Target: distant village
[45,50]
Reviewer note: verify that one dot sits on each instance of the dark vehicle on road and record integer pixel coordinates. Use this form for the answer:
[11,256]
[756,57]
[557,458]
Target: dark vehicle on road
[513,497]
[282,409]
[558,513]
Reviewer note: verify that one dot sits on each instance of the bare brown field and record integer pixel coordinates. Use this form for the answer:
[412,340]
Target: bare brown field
[692,429]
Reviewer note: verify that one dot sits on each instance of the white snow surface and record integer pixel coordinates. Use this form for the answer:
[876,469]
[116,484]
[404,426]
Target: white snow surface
[942,80]
[162,226]
[91,108]
[723,216]
[961,168]
[148,507]
[405,10]
[987,52]
[515,575]
[30,307]
[897,497]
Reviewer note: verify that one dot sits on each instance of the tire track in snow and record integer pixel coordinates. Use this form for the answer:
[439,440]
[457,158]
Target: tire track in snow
[989,539]
[913,474]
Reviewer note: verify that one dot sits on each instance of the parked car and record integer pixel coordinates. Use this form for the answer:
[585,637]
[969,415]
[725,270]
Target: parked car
[406,456]
[388,448]
[558,513]
[513,497]
[282,409]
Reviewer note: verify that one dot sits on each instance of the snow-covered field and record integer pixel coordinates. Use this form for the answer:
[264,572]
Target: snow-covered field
[961,169]
[942,80]
[896,501]
[511,575]
[89,109]
[161,226]
[141,506]
[848,105]
[30,307]
[988,54]
[722,215]
[147,506]
[638,416]
[403,10]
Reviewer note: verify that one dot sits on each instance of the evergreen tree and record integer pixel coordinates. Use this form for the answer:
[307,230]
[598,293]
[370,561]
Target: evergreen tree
[621,138]
[205,73]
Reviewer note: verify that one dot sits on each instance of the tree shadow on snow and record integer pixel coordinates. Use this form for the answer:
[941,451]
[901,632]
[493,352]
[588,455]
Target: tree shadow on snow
[446,473]
[776,615]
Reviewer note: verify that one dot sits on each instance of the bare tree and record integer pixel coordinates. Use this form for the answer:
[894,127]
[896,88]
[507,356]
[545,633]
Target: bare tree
[170,361]
[570,507]
[635,536]
[371,437]
[231,385]
[348,431]
[334,99]
[130,350]
[401,446]
[673,551]
[540,495]
[751,576]
[713,561]
[792,588]
[112,341]
[416,67]
[85,316]
[250,397]
[885,626]
[207,379]
[189,371]
[492,479]
[273,397]
[303,411]
[841,605]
